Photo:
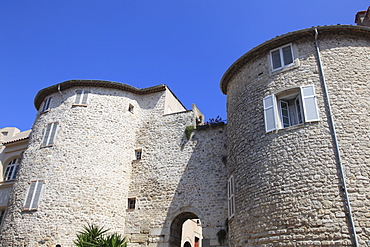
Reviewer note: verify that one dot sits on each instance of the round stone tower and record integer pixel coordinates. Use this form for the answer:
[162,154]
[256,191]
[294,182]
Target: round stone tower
[298,140]
[78,161]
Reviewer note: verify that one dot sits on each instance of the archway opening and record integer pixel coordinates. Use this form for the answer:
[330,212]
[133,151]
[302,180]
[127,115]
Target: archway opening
[186,231]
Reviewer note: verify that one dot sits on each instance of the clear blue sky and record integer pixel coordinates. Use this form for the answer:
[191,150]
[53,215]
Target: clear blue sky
[186,44]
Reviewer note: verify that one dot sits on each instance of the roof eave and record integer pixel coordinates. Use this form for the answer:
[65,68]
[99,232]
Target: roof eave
[284,39]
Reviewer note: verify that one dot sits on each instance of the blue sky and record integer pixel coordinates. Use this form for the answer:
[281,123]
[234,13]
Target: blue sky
[187,44]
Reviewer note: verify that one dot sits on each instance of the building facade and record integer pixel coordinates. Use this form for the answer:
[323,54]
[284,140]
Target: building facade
[291,168]
[298,139]
[112,155]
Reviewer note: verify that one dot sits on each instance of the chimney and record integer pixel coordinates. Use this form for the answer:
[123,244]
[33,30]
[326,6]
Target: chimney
[363,18]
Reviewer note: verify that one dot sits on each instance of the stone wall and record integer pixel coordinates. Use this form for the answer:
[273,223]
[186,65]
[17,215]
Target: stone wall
[91,170]
[177,176]
[288,189]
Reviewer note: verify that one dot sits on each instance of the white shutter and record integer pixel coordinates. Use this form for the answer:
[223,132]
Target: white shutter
[84,97]
[309,102]
[46,135]
[33,196]
[78,97]
[46,104]
[231,196]
[50,133]
[53,133]
[269,113]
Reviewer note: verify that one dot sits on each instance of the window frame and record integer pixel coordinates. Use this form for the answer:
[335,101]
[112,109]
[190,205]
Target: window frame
[33,195]
[81,97]
[50,134]
[282,57]
[308,109]
[231,196]
[11,170]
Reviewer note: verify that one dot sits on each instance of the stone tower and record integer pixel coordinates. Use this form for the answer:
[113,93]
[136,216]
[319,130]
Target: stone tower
[116,156]
[298,140]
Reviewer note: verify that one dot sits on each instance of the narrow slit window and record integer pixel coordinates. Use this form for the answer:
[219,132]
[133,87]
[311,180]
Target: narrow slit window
[131,203]
[138,154]
[131,108]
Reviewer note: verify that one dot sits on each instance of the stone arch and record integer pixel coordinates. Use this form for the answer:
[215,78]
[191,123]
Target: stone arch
[176,228]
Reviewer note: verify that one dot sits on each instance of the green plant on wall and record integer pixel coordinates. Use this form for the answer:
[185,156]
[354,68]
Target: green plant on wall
[188,131]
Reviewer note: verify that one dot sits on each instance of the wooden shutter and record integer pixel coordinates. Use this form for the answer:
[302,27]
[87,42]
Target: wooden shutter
[84,97]
[309,102]
[46,104]
[46,135]
[53,133]
[33,195]
[231,196]
[78,97]
[49,135]
[269,113]
[81,97]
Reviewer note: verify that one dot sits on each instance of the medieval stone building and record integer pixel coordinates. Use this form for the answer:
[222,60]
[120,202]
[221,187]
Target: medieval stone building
[291,168]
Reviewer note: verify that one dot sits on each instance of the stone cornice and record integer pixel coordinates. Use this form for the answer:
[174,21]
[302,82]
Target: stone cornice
[309,33]
[93,83]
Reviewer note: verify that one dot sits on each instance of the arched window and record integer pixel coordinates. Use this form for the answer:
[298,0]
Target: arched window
[11,170]
[187,244]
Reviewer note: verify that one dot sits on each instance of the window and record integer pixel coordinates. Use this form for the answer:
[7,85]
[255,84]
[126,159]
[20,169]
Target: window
[11,170]
[231,196]
[281,57]
[131,203]
[33,195]
[46,104]
[81,97]
[50,134]
[2,214]
[138,153]
[131,108]
[290,107]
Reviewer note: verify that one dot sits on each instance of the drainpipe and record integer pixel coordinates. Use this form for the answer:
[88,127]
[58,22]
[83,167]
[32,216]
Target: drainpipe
[344,186]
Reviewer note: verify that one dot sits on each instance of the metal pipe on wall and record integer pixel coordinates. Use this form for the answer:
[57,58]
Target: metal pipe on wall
[322,77]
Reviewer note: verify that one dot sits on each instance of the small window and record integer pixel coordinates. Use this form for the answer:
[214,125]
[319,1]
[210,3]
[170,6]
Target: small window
[138,153]
[49,135]
[131,108]
[33,195]
[81,97]
[46,105]
[231,196]
[290,107]
[11,170]
[281,57]
[131,202]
